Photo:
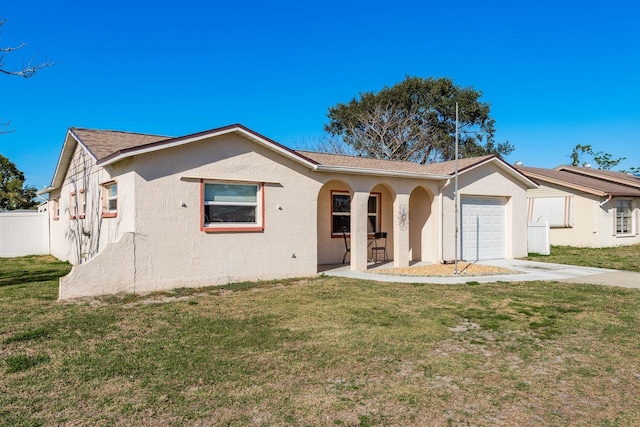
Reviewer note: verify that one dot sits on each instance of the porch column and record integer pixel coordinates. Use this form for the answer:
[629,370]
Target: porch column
[359,205]
[401,231]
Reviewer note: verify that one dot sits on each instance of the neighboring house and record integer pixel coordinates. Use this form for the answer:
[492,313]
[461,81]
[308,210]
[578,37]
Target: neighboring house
[585,207]
[138,213]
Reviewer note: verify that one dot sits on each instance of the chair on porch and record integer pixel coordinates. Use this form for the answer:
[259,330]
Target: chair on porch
[379,245]
[346,246]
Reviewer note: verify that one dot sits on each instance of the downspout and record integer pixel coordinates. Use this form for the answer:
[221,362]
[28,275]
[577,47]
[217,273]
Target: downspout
[606,201]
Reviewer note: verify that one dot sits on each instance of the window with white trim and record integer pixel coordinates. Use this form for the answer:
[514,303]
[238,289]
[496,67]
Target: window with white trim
[623,217]
[232,206]
[109,199]
[341,213]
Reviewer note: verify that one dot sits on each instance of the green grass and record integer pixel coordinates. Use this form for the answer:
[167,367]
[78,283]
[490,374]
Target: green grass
[318,352]
[617,258]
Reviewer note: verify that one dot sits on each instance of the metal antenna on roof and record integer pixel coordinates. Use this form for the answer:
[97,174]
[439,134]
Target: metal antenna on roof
[455,197]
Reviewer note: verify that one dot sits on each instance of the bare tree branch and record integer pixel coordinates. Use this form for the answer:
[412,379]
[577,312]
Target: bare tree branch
[4,127]
[388,132]
[26,70]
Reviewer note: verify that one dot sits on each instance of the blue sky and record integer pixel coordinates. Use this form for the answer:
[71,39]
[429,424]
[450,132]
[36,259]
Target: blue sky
[556,74]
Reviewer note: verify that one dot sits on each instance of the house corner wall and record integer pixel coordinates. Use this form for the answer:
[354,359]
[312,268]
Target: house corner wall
[111,271]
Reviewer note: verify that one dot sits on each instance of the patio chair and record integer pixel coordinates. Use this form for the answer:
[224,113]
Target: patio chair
[346,246]
[379,245]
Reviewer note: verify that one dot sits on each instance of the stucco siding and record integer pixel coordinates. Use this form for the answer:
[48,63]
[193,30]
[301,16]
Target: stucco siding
[607,225]
[78,234]
[586,217]
[593,223]
[172,251]
[111,272]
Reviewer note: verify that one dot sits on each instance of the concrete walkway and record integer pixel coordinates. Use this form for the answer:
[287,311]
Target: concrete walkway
[523,271]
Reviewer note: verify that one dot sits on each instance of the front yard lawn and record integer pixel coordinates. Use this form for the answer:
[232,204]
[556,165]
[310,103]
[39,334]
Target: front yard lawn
[318,352]
[618,258]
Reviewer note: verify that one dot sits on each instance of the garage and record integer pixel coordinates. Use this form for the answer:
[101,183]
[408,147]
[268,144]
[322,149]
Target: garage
[482,228]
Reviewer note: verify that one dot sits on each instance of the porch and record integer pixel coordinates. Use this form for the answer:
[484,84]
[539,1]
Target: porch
[351,213]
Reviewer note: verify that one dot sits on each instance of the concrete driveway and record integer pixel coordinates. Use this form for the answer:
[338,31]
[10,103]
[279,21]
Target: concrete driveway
[523,271]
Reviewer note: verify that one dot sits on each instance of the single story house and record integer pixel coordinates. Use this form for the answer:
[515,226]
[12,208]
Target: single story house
[585,207]
[138,213]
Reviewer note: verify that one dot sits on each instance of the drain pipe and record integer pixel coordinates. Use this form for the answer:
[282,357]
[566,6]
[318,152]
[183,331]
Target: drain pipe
[455,196]
[606,201]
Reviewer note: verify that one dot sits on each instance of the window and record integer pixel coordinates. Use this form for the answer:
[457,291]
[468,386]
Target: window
[232,207]
[623,216]
[341,213]
[73,205]
[56,209]
[82,204]
[77,204]
[557,211]
[109,200]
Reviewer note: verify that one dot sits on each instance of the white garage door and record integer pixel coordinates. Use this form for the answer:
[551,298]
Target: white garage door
[482,228]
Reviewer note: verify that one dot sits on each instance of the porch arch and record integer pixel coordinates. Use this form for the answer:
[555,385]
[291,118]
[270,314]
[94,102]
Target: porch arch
[423,238]
[331,248]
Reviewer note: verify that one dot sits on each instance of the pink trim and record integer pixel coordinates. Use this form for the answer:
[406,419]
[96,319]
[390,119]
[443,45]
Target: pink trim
[210,229]
[104,200]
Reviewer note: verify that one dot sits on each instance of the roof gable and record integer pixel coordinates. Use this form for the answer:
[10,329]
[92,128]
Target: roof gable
[102,143]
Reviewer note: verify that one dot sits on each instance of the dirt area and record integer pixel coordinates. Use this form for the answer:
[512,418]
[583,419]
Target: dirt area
[443,270]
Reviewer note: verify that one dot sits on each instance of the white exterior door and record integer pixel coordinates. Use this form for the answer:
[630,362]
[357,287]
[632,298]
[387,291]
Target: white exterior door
[482,228]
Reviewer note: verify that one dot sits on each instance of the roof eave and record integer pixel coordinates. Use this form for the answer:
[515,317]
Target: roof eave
[45,190]
[563,183]
[380,172]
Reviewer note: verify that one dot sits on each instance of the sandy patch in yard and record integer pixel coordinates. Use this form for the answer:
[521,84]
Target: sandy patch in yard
[443,270]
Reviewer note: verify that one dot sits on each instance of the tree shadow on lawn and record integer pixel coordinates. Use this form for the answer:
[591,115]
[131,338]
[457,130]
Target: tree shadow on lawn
[25,277]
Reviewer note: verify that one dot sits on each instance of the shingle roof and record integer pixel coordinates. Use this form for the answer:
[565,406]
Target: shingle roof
[102,143]
[589,184]
[442,168]
[613,176]
[105,143]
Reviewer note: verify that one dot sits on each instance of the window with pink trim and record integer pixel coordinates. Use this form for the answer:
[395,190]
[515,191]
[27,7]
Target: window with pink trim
[109,200]
[232,206]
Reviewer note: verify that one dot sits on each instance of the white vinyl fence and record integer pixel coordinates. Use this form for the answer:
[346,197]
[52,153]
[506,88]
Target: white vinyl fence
[24,233]
[538,238]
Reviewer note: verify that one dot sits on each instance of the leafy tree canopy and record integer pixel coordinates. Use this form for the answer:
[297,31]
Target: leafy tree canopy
[415,120]
[604,161]
[13,193]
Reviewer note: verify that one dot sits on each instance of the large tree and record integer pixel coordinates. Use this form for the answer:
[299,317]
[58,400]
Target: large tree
[415,120]
[13,193]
